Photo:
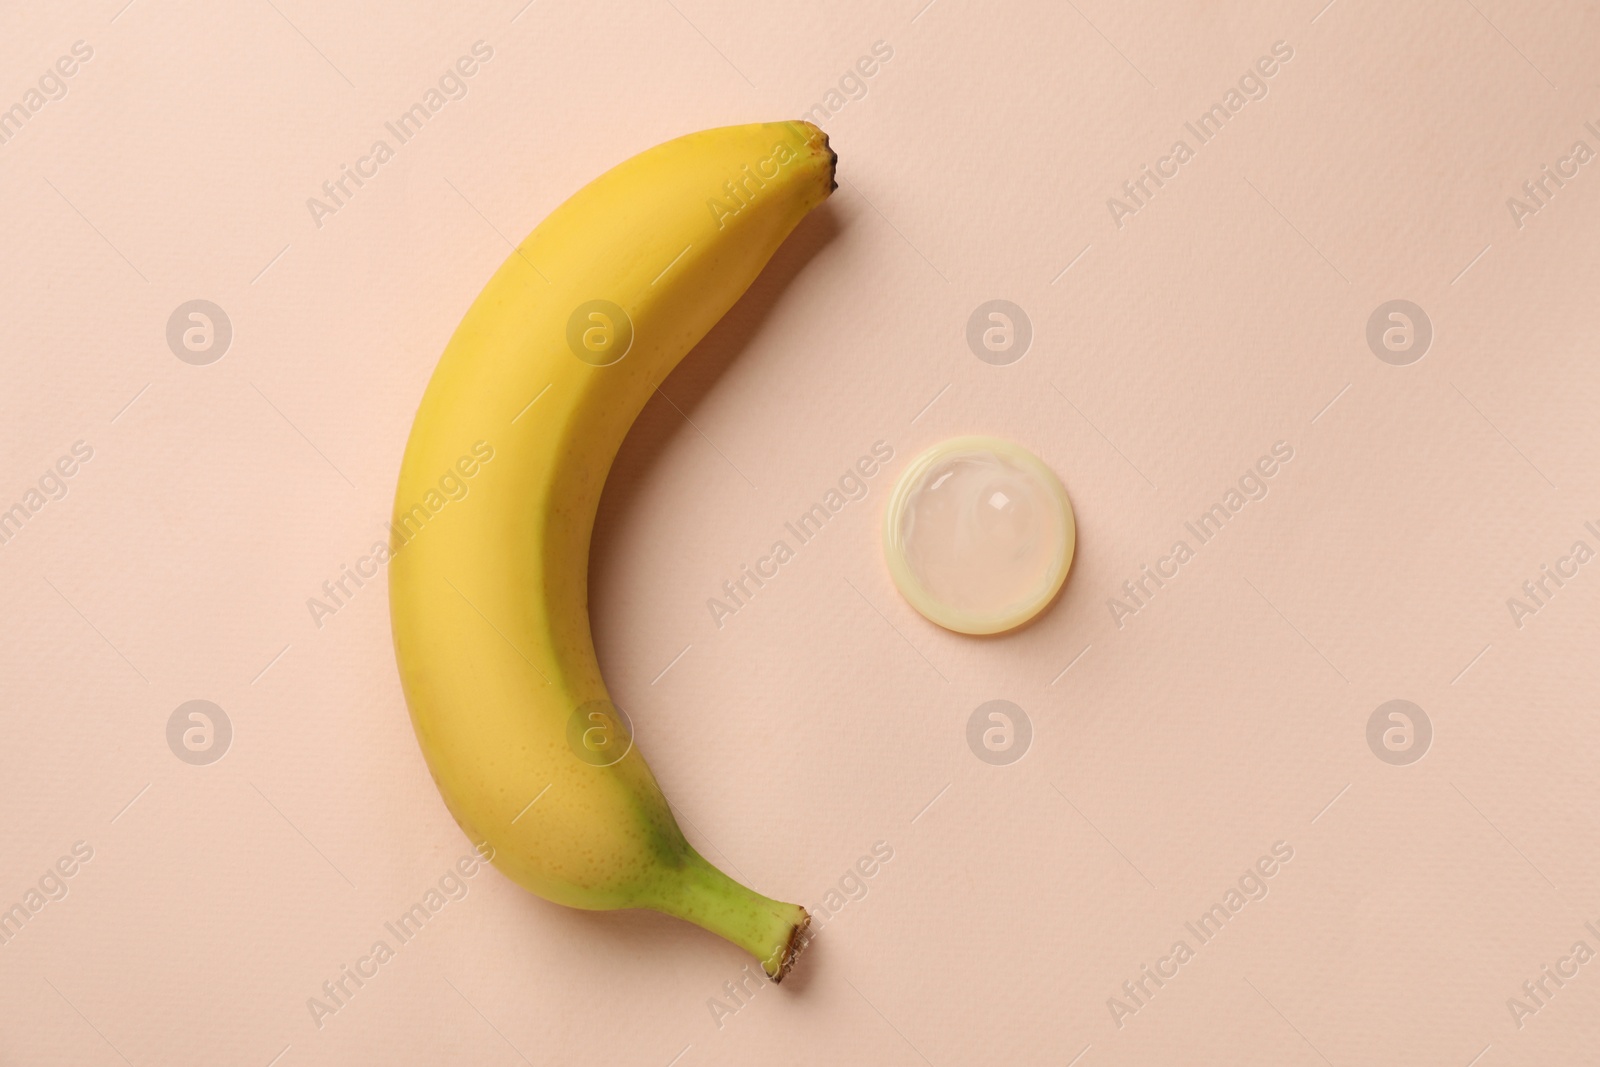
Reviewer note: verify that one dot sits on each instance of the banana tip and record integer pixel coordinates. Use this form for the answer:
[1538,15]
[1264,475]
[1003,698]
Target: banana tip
[799,938]
[820,136]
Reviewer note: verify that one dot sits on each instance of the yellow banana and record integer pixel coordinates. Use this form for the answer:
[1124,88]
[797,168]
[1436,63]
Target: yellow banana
[516,433]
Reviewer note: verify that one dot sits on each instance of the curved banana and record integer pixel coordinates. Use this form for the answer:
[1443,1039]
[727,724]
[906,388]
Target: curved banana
[498,490]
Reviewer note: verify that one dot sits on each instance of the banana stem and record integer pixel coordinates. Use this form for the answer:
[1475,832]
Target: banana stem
[770,930]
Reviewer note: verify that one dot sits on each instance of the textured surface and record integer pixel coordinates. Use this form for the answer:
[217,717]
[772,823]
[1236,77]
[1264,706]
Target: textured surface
[1168,749]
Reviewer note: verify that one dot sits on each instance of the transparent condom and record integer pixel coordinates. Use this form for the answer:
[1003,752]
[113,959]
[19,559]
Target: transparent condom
[979,535]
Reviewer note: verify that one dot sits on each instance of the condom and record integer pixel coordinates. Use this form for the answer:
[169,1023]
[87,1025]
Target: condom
[979,535]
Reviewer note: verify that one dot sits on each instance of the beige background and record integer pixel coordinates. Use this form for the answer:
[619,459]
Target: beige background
[1228,714]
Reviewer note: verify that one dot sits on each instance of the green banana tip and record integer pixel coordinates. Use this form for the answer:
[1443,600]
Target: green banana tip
[783,961]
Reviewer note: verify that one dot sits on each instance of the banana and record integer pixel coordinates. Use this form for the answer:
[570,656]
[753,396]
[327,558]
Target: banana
[516,433]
